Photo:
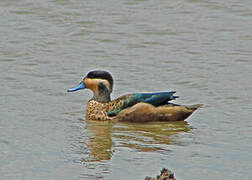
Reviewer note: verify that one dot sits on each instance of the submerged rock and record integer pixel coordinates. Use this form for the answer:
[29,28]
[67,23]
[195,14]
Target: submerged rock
[164,175]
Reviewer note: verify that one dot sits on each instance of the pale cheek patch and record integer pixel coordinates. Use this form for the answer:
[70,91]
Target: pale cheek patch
[92,84]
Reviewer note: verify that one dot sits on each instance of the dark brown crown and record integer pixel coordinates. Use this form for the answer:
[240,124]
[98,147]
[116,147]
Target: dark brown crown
[97,74]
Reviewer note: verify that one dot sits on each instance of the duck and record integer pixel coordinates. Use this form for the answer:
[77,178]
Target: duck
[134,107]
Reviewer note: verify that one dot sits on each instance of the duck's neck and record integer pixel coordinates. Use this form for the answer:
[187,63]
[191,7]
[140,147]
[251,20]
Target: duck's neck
[102,97]
[102,94]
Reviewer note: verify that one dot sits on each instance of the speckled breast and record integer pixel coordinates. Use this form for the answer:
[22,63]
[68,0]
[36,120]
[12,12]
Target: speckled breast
[98,111]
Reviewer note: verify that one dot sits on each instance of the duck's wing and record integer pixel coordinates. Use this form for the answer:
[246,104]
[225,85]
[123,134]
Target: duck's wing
[156,99]
[126,101]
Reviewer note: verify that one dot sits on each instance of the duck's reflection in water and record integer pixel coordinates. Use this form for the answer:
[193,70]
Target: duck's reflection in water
[104,136]
[99,141]
[151,136]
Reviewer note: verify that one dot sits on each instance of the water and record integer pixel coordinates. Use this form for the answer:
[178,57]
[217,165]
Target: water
[201,49]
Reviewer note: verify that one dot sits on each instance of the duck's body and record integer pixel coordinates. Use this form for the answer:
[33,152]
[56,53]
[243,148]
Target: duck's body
[137,107]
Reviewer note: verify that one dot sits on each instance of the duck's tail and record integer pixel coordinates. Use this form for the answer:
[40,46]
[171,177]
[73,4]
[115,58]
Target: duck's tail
[194,107]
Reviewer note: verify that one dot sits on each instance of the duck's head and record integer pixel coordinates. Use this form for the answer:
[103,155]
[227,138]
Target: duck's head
[100,82]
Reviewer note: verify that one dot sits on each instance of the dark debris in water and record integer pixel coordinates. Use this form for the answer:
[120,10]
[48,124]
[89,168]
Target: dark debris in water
[164,175]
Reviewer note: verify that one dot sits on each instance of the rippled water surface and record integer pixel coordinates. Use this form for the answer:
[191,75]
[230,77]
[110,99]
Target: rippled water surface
[202,49]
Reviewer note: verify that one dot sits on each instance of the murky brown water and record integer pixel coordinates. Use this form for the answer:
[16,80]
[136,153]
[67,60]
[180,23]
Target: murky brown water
[201,49]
